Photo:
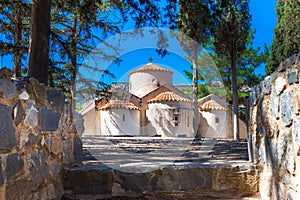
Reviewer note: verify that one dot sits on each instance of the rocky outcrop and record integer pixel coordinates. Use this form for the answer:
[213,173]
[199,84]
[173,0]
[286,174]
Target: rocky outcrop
[275,131]
[36,139]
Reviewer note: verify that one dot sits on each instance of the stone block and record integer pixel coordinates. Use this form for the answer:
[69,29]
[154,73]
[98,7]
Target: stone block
[24,96]
[55,169]
[18,113]
[14,164]
[7,129]
[6,73]
[38,169]
[8,89]
[266,85]
[292,76]
[296,133]
[88,179]
[67,151]
[55,98]
[18,190]
[54,145]
[79,122]
[280,84]
[286,107]
[77,149]
[33,137]
[255,94]
[286,151]
[51,192]
[20,84]
[274,103]
[32,114]
[49,120]
[272,153]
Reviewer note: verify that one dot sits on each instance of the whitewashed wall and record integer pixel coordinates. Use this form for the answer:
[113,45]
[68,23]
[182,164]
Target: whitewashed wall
[210,128]
[112,122]
[161,118]
[141,83]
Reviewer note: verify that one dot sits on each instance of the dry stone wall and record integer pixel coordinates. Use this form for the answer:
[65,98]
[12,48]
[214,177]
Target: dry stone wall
[36,139]
[275,131]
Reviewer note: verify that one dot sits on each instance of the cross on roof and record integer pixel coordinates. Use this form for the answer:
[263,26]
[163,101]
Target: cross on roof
[150,59]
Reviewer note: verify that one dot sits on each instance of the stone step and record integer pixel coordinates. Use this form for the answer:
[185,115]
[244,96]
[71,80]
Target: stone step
[194,180]
[157,168]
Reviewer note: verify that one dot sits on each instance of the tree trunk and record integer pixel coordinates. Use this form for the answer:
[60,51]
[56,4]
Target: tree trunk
[17,42]
[39,40]
[195,93]
[235,94]
[74,65]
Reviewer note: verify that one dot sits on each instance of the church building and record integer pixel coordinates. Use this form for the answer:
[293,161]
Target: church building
[153,106]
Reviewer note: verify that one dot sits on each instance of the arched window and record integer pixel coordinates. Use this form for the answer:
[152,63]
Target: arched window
[123,117]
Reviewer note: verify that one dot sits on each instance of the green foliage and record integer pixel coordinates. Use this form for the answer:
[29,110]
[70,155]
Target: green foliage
[14,31]
[231,26]
[286,40]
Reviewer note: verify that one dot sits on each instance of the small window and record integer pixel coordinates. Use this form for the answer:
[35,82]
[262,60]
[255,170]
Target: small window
[123,117]
[160,121]
[217,120]
[176,118]
[188,121]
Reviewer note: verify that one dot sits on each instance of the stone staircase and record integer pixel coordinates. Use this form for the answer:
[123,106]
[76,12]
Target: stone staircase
[156,168]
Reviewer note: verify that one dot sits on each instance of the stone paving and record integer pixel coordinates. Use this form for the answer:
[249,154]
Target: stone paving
[129,151]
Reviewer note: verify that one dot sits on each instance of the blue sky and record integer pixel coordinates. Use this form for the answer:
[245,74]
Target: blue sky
[263,20]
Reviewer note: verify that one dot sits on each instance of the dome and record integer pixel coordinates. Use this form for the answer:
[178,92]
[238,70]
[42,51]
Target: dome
[168,96]
[211,105]
[150,67]
[118,104]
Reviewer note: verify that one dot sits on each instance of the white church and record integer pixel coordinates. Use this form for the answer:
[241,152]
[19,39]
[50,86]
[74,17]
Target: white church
[154,107]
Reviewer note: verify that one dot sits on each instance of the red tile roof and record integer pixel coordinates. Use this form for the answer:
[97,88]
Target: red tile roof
[118,104]
[211,105]
[168,96]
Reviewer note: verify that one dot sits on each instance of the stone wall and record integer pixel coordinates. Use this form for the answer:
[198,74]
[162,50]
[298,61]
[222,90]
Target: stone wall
[36,139]
[275,131]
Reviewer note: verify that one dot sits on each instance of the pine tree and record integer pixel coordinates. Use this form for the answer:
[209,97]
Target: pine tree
[194,23]
[231,30]
[14,29]
[286,40]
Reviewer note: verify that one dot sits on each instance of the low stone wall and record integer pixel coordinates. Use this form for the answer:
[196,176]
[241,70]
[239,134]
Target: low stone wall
[177,181]
[275,131]
[36,139]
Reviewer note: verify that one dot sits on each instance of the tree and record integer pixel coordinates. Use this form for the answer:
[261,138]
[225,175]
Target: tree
[14,28]
[286,40]
[39,40]
[194,22]
[231,30]
[247,62]
[76,30]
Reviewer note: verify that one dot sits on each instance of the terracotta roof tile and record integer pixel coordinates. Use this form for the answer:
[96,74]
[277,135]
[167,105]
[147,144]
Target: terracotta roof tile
[150,67]
[167,96]
[211,105]
[118,104]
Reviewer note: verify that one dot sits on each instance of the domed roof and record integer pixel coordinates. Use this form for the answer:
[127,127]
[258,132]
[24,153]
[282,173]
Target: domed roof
[118,104]
[211,105]
[150,67]
[168,96]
